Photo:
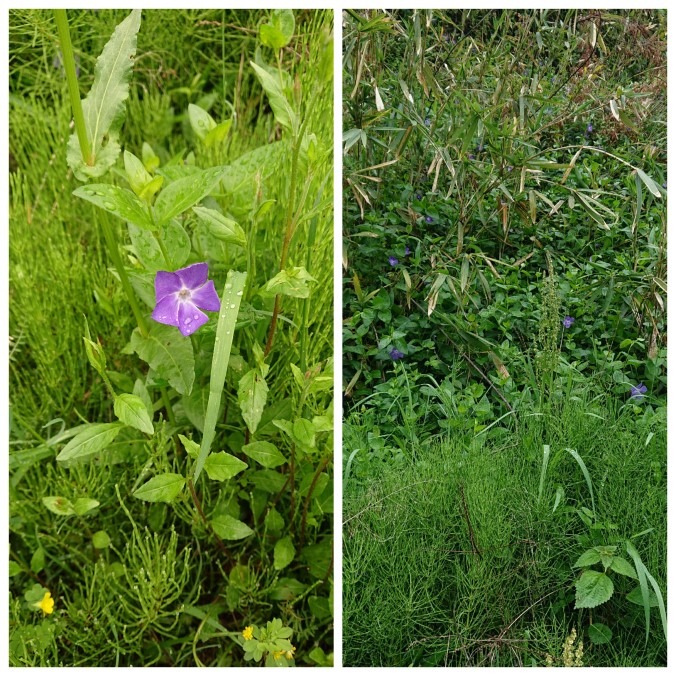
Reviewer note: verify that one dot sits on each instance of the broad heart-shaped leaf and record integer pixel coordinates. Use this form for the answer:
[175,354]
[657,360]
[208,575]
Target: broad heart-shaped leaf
[119,201]
[183,193]
[593,588]
[131,410]
[163,488]
[221,466]
[168,353]
[281,107]
[599,634]
[227,527]
[279,31]
[221,227]
[105,103]
[200,120]
[264,453]
[146,246]
[587,558]
[89,442]
[252,396]
[284,552]
[59,505]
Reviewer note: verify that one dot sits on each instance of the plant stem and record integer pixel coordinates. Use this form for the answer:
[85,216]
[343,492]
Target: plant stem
[61,19]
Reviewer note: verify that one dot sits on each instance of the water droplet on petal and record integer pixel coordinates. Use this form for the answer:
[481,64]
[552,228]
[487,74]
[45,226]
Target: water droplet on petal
[195,316]
[187,321]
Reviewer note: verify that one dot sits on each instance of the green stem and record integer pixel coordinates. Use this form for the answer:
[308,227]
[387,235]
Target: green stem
[61,19]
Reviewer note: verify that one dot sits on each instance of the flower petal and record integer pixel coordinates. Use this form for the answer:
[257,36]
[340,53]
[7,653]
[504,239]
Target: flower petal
[194,276]
[190,318]
[166,283]
[166,310]
[206,297]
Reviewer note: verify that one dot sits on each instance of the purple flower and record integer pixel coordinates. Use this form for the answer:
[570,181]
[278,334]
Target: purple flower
[568,321]
[418,196]
[396,354]
[638,392]
[393,261]
[427,122]
[407,250]
[180,296]
[429,219]
[509,168]
[472,156]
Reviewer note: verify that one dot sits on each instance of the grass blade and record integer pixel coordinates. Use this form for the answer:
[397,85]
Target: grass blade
[584,470]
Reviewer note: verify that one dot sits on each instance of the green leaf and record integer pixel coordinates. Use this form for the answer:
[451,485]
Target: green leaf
[100,539]
[264,453]
[220,227]
[292,282]
[163,488]
[304,432]
[146,247]
[281,107]
[218,134]
[137,174]
[168,353]
[273,521]
[37,561]
[635,596]
[131,410]
[221,466]
[593,588]
[190,446]
[200,121]
[90,441]
[183,193]
[622,566]
[252,396]
[150,159]
[84,505]
[141,391]
[227,527]
[599,634]
[13,568]
[284,552]
[651,185]
[119,201]
[277,33]
[59,505]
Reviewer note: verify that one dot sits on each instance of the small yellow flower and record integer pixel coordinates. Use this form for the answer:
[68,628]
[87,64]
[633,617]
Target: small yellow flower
[278,655]
[46,604]
[290,653]
[248,633]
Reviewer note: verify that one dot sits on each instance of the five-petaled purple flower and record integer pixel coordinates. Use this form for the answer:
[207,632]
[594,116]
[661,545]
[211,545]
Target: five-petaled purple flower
[638,392]
[568,321]
[180,296]
[396,354]
[429,219]
[393,261]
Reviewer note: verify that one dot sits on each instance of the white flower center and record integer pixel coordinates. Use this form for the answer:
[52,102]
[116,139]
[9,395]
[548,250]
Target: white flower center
[184,294]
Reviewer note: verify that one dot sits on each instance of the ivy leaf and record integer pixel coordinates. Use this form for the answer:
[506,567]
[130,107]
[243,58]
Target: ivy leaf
[227,527]
[163,488]
[264,453]
[593,588]
[252,396]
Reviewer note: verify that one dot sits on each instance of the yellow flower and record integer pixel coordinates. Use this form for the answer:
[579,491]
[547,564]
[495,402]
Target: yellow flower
[278,655]
[290,652]
[248,633]
[46,604]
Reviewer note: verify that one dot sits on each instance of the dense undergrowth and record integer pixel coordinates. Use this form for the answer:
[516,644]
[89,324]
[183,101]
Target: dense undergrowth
[504,337]
[104,571]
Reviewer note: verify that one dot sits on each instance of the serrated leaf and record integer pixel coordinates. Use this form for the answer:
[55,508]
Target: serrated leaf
[131,410]
[587,558]
[168,353]
[163,488]
[230,528]
[593,588]
[183,193]
[220,227]
[622,566]
[93,439]
[59,505]
[252,396]
[284,552]
[221,466]
[281,107]
[84,505]
[599,634]
[119,201]
[264,453]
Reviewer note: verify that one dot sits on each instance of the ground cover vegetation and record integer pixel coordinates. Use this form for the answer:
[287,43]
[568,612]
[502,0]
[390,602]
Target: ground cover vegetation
[504,332]
[170,338]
